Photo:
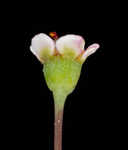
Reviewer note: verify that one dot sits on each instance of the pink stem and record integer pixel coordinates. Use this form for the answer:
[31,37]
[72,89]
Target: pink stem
[58,129]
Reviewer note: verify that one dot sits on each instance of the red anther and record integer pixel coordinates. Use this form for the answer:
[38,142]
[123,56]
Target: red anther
[53,35]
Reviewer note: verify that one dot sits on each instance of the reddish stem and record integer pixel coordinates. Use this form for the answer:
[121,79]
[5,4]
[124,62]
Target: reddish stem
[58,129]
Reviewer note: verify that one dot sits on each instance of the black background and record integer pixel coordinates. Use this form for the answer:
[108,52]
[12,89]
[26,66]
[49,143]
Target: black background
[91,114]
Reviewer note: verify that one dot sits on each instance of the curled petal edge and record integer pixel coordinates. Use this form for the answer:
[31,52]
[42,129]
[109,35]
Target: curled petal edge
[89,51]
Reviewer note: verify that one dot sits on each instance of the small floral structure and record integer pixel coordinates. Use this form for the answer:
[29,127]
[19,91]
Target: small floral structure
[62,59]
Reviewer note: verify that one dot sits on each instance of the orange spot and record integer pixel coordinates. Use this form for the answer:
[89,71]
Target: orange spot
[53,35]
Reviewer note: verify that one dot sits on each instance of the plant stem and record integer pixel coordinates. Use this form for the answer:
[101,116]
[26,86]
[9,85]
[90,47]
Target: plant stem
[58,122]
[58,130]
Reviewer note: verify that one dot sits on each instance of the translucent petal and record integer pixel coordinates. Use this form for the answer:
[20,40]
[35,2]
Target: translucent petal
[90,50]
[70,44]
[42,46]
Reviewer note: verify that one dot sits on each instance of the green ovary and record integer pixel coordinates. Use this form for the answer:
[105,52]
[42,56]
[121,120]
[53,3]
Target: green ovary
[61,74]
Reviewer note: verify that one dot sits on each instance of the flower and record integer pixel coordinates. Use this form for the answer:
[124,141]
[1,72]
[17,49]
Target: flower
[62,58]
[43,47]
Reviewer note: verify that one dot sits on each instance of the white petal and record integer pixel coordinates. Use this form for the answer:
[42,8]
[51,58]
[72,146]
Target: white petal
[74,43]
[90,50]
[41,43]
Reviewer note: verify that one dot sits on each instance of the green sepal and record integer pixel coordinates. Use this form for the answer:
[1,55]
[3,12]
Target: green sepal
[61,75]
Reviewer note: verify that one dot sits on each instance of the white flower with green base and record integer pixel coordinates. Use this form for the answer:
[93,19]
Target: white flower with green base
[62,59]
